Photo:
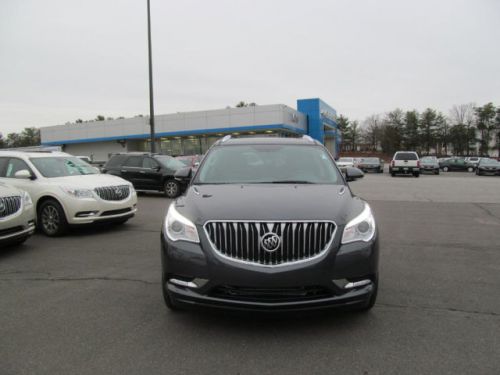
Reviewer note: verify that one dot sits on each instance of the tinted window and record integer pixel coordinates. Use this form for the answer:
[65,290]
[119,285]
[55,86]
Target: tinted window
[15,165]
[405,156]
[61,166]
[133,161]
[3,165]
[149,163]
[268,164]
[116,161]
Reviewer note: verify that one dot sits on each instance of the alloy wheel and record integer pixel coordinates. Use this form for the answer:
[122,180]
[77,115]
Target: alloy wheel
[50,219]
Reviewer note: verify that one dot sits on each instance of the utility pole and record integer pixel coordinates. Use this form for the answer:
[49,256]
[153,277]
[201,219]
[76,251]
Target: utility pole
[151,104]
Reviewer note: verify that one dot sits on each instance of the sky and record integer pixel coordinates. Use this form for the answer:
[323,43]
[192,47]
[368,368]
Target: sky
[61,60]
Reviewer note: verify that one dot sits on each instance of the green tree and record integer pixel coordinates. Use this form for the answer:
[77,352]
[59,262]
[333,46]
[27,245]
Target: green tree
[458,139]
[411,135]
[2,141]
[99,118]
[428,129]
[443,133]
[485,120]
[13,140]
[30,137]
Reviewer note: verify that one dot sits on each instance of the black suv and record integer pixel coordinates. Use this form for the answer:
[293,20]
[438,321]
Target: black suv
[153,172]
[269,224]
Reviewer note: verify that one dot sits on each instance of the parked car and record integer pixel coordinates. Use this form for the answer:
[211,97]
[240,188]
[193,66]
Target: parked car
[345,162]
[86,159]
[429,164]
[148,172]
[192,161]
[67,191]
[473,160]
[371,165]
[456,164]
[488,166]
[17,216]
[405,162]
[264,237]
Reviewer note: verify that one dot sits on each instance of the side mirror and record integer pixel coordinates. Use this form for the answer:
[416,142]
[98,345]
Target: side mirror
[23,174]
[196,164]
[183,174]
[352,173]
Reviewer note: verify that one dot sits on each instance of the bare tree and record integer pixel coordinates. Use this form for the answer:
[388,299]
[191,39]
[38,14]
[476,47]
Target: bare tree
[372,130]
[463,114]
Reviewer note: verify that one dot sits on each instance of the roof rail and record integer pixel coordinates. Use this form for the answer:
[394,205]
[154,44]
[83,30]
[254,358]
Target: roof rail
[226,138]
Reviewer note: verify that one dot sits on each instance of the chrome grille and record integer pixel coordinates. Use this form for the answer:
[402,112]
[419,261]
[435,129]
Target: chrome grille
[113,193]
[242,240]
[9,205]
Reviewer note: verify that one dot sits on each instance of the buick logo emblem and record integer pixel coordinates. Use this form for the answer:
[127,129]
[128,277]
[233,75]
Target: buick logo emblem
[270,242]
[2,206]
[118,192]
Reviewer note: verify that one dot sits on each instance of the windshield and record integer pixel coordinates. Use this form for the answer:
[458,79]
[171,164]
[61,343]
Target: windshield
[406,156]
[170,162]
[61,166]
[346,160]
[253,164]
[488,162]
[370,160]
[429,158]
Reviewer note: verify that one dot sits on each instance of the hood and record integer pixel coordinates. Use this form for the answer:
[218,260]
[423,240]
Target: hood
[344,163]
[89,181]
[7,190]
[269,202]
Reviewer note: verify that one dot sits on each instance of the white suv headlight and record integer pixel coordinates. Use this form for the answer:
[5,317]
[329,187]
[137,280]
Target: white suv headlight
[78,192]
[179,228]
[361,228]
[27,199]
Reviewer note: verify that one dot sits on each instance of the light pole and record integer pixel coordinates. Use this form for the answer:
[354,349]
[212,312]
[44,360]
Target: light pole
[151,104]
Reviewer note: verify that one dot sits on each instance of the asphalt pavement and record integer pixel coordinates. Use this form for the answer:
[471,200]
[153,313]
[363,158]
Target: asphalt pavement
[90,302]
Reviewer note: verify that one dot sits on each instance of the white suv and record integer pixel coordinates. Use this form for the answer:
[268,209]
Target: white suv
[405,162]
[66,191]
[17,217]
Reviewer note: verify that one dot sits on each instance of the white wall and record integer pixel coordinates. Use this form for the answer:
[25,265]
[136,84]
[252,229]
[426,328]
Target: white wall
[186,121]
[100,150]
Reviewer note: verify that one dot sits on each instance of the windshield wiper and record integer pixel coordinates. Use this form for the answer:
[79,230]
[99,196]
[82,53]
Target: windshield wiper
[291,182]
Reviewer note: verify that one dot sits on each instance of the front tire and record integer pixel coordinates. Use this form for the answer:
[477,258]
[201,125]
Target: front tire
[171,189]
[470,169]
[51,219]
[445,169]
[416,174]
[436,171]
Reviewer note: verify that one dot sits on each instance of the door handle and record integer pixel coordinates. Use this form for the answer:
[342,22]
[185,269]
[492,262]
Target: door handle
[142,172]
[123,171]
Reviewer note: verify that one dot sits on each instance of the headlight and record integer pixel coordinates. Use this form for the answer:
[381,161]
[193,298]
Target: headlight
[179,228]
[27,199]
[361,228]
[78,192]
[132,189]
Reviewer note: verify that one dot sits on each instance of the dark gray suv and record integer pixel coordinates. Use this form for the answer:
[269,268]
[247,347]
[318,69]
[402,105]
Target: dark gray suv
[269,224]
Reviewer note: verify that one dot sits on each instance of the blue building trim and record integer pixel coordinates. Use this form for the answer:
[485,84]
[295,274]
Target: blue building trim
[181,133]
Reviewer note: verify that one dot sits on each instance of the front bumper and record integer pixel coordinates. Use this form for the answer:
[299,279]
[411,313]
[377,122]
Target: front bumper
[87,211]
[18,226]
[194,275]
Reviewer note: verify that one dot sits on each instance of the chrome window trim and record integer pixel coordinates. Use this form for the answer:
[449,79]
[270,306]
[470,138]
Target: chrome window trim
[321,254]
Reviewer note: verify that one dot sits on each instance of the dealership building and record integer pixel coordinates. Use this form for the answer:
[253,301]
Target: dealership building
[188,133]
